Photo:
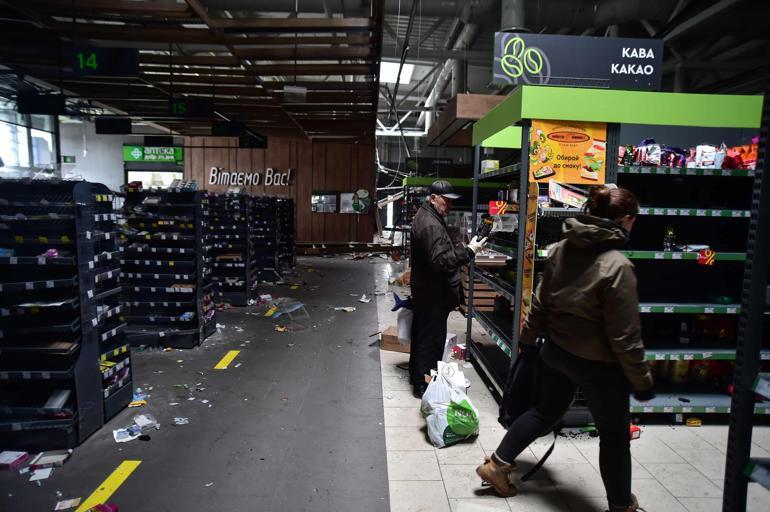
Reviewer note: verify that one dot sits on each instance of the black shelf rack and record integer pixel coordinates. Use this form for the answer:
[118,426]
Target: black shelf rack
[285,233]
[689,301]
[264,236]
[233,265]
[167,291]
[751,379]
[60,315]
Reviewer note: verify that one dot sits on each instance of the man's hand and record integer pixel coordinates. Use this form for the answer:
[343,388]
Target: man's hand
[476,245]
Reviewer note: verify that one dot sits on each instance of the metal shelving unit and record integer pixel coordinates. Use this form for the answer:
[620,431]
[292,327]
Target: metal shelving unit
[233,269]
[660,302]
[61,321]
[753,329]
[265,238]
[167,290]
[285,233]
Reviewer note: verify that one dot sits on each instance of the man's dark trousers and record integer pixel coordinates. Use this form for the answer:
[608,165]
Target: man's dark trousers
[428,339]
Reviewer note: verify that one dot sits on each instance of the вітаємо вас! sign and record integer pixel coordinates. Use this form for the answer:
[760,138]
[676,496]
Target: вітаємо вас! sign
[272,178]
[604,62]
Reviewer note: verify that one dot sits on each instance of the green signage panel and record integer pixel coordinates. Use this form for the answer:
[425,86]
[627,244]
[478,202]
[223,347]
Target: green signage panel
[153,154]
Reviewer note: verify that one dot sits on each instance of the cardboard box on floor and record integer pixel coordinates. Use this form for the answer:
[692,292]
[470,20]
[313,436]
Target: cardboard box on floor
[389,341]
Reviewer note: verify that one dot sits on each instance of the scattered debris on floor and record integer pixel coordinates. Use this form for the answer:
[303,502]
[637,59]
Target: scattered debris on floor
[12,460]
[140,398]
[67,504]
[365,299]
[280,328]
[209,484]
[346,309]
[181,421]
[104,507]
[141,425]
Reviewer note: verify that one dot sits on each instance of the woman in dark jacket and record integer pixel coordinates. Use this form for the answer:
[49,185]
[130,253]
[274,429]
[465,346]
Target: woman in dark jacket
[587,309]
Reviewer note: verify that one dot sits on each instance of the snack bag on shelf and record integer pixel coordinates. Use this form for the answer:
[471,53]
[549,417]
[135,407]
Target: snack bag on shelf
[719,156]
[690,160]
[744,156]
[733,158]
[673,157]
[648,153]
[705,154]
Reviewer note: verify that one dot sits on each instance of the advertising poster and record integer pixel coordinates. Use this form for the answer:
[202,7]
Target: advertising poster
[568,152]
[528,265]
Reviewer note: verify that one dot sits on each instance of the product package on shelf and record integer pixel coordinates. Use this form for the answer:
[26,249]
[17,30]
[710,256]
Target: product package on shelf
[167,291]
[703,156]
[60,315]
[232,248]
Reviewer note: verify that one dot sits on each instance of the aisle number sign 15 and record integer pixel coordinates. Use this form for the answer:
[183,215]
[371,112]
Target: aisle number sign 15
[103,61]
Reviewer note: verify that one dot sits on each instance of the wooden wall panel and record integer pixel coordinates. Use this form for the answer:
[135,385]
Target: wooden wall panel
[318,179]
[302,193]
[365,226]
[323,166]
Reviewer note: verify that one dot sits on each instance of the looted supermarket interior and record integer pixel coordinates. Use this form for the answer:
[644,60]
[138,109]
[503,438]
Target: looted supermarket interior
[384,255]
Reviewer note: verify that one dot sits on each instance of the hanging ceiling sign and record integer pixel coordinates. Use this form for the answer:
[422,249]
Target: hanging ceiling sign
[578,61]
[104,61]
[153,154]
[220,176]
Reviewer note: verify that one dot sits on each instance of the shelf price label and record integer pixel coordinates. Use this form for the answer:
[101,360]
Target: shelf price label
[708,310]
[668,309]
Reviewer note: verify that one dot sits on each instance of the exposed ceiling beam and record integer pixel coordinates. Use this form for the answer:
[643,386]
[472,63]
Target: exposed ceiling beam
[291,39]
[126,7]
[693,21]
[419,83]
[294,24]
[305,53]
[435,26]
[429,54]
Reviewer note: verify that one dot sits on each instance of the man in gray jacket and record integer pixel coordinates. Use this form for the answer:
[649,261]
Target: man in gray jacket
[436,263]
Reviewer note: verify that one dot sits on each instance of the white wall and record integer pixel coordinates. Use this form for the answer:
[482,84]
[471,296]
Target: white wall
[103,162]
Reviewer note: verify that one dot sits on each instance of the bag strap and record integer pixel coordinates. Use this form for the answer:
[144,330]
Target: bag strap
[542,460]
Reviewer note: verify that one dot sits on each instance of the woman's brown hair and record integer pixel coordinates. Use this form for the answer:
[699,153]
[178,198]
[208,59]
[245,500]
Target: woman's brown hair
[611,203]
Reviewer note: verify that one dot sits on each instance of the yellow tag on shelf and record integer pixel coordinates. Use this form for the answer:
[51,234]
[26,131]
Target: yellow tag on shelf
[694,422]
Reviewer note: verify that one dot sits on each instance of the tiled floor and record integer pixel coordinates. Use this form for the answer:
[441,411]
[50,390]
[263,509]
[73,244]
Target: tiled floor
[675,468]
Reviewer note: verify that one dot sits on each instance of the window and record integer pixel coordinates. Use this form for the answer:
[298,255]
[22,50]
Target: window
[14,147]
[25,140]
[161,179]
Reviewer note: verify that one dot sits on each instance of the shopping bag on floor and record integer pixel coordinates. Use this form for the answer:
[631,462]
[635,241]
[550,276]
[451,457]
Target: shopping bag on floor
[449,413]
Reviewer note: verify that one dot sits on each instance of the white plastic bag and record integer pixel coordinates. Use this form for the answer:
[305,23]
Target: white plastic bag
[449,413]
[449,344]
[405,317]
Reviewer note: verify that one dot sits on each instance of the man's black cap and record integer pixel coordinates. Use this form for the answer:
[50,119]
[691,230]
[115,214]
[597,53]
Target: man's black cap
[444,188]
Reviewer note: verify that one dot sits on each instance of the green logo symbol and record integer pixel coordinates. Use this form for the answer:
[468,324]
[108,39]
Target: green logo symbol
[136,153]
[517,58]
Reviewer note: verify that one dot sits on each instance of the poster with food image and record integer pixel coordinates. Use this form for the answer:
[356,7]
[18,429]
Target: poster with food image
[572,152]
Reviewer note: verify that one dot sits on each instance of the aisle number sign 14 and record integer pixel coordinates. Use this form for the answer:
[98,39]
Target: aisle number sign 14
[104,61]
[567,152]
